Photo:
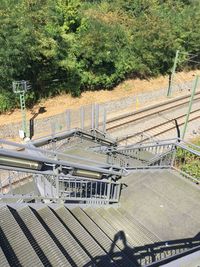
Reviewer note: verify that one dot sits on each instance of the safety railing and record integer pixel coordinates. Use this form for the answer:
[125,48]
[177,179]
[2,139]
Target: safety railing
[35,185]
[173,154]
[87,190]
[143,155]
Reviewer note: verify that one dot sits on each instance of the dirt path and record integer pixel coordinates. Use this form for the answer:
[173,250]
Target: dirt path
[60,103]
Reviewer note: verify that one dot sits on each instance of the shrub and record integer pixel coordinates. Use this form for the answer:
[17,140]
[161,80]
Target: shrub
[7,101]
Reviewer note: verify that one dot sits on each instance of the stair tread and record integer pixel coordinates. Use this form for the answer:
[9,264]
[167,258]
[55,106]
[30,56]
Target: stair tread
[3,260]
[103,240]
[60,234]
[81,234]
[17,239]
[41,236]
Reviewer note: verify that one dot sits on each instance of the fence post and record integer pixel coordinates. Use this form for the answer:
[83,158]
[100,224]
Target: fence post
[55,171]
[173,157]
[1,187]
[96,116]
[118,188]
[82,116]
[93,116]
[68,119]
[35,183]
[109,189]
[10,183]
[104,120]
[53,129]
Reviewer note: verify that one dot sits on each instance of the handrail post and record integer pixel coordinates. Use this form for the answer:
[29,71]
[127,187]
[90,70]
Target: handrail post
[108,189]
[118,191]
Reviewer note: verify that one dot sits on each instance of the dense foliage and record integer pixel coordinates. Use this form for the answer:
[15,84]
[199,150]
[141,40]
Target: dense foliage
[74,45]
[189,162]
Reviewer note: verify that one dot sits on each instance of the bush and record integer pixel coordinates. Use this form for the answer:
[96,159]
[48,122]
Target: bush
[92,44]
[7,101]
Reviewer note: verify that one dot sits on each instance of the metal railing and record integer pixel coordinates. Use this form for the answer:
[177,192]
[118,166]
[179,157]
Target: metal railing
[103,189]
[35,185]
[174,154]
[90,191]
[142,155]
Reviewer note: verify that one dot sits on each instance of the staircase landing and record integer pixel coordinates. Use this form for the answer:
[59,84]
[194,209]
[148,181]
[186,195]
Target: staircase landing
[164,202]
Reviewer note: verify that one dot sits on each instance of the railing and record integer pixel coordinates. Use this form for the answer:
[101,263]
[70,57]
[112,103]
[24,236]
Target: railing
[89,191]
[11,179]
[49,185]
[172,154]
[35,185]
[143,155]
[139,138]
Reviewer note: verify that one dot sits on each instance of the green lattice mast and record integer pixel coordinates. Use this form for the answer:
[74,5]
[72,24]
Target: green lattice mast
[21,87]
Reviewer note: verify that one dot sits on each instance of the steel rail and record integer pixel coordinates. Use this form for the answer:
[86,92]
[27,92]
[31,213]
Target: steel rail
[160,125]
[149,111]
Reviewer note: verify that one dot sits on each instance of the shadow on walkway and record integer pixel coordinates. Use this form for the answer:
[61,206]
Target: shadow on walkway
[144,255]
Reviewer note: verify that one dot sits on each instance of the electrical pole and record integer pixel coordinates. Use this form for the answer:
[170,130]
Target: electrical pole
[20,87]
[173,71]
[190,105]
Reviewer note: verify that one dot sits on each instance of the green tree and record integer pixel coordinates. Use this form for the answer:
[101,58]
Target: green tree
[77,45]
[36,40]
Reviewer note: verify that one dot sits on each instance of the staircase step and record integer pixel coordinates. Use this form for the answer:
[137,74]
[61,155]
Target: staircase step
[21,247]
[101,238]
[132,228]
[103,224]
[87,242]
[51,251]
[3,260]
[111,233]
[135,223]
[63,239]
[118,225]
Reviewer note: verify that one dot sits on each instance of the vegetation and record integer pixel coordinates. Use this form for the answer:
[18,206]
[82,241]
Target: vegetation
[189,162]
[77,45]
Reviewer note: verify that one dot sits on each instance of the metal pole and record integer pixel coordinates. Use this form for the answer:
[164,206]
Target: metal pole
[23,111]
[190,106]
[93,116]
[53,129]
[104,120]
[68,120]
[172,74]
[82,115]
[97,116]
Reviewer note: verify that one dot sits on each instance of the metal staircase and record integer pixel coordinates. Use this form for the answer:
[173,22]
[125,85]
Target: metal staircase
[113,208]
[41,235]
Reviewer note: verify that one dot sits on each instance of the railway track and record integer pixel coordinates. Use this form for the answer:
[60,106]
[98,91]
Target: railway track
[125,119]
[160,128]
